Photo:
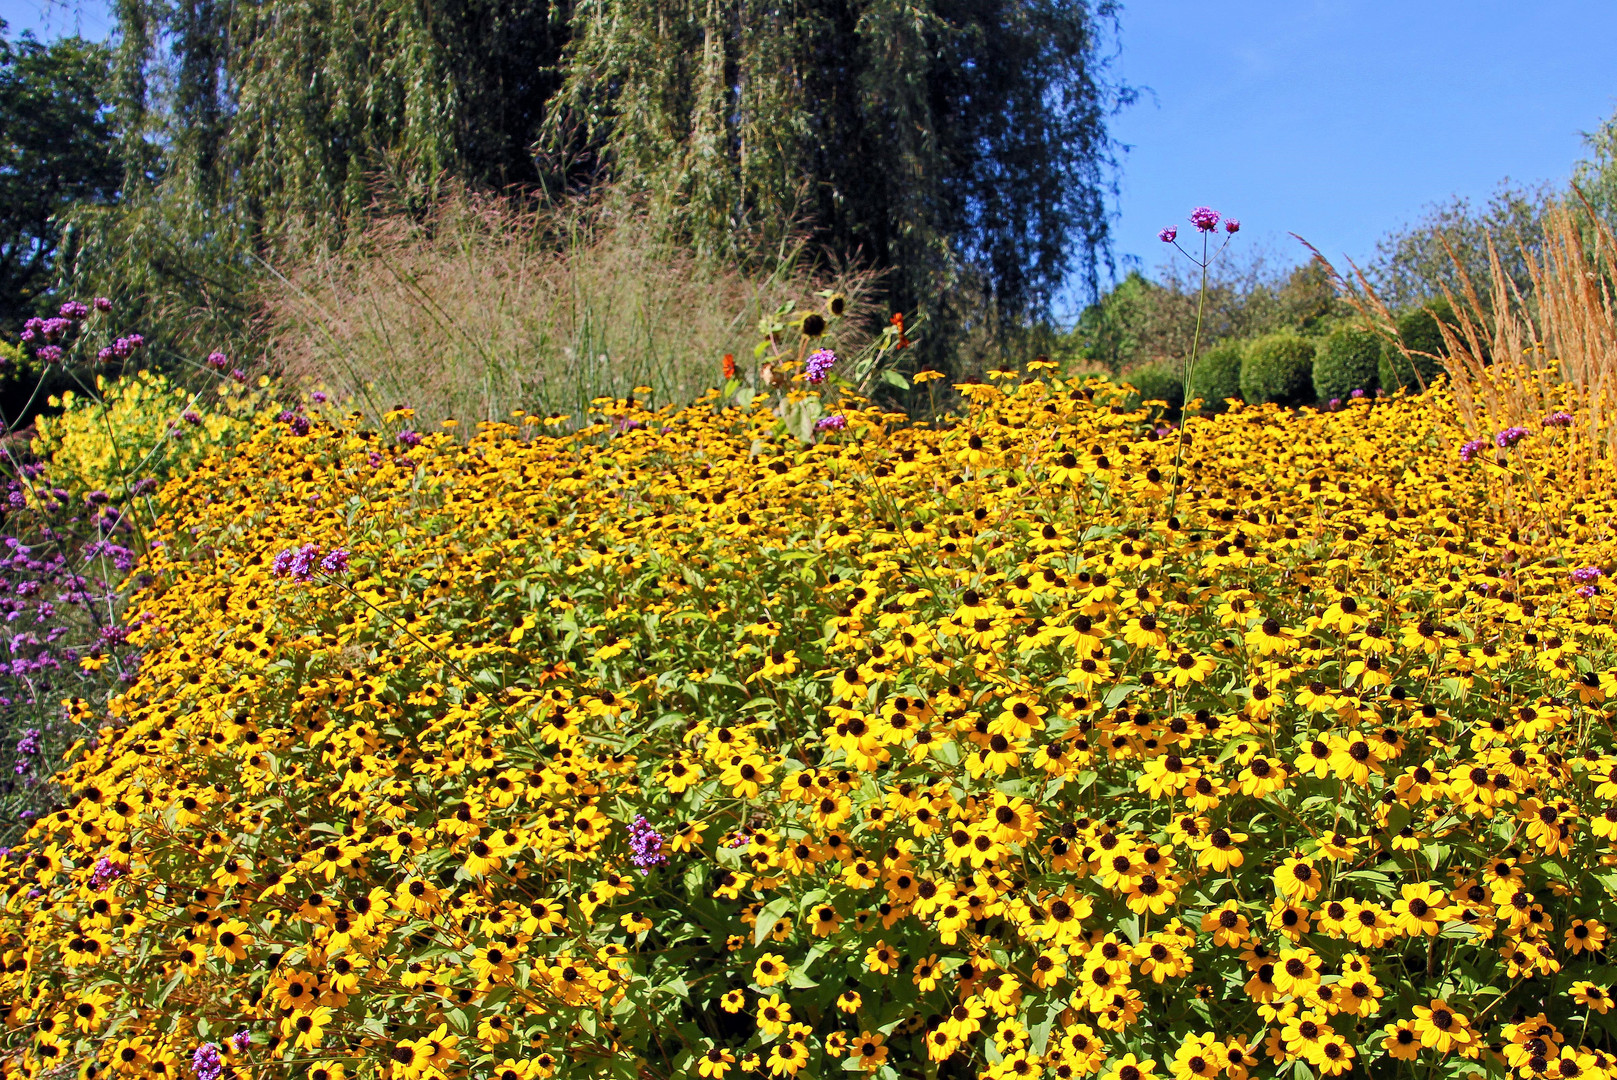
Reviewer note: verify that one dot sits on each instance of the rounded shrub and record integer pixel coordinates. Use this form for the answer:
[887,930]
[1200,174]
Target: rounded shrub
[1217,375]
[1158,382]
[1348,359]
[1419,333]
[1278,368]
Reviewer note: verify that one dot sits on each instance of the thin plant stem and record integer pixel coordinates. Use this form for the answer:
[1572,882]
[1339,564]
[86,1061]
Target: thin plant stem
[1190,370]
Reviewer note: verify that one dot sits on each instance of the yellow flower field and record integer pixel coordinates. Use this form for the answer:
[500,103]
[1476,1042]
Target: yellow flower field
[677,747]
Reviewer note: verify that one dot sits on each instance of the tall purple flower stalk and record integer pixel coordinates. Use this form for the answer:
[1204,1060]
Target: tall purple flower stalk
[645,845]
[820,363]
[206,1063]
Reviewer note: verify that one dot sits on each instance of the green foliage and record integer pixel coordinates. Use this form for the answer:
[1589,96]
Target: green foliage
[1348,359]
[1217,375]
[1158,382]
[1110,330]
[1414,265]
[138,427]
[1142,319]
[949,141]
[1307,302]
[1278,368]
[56,149]
[1413,366]
[960,147]
[1596,175]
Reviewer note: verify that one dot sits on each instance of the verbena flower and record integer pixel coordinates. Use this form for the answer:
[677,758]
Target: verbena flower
[819,364]
[645,845]
[206,1064]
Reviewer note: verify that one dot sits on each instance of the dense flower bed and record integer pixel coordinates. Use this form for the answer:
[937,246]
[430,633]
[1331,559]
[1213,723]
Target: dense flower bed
[676,747]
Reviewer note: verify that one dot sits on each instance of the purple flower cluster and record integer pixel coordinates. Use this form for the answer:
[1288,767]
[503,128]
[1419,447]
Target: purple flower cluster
[300,564]
[41,331]
[1583,575]
[106,872]
[241,1040]
[121,349]
[832,423]
[645,845]
[411,439]
[297,422]
[1169,235]
[1472,449]
[1510,437]
[28,747]
[1205,218]
[1558,419]
[218,361]
[820,363]
[206,1063]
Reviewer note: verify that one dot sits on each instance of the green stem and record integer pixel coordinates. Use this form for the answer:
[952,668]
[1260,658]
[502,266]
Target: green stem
[1190,369]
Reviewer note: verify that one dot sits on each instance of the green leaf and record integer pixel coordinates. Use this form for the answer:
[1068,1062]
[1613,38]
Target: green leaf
[769,916]
[893,378]
[1115,696]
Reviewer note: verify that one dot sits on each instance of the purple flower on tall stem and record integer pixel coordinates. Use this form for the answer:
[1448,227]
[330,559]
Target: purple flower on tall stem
[1169,235]
[206,1064]
[819,365]
[832,423]
[1205,218]
[1510,437]
[106,872]
[1583,575]
[645,845]
[1472,449]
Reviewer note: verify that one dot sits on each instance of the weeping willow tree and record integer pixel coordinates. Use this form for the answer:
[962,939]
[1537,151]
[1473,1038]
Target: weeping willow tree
[960,143]
[253,128]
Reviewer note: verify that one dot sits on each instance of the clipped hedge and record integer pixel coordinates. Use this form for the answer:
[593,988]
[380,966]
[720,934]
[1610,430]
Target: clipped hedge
[1217,375]
[1419,333]
[1277,368]
[1158,382]
[1348,359]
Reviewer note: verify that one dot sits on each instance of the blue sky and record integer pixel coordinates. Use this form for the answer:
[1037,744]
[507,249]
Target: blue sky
[1334,119]
[1341,119]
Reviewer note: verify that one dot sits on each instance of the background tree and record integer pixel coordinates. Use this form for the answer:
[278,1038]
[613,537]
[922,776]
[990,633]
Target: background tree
[961,144]
[57,149]
[1413,265]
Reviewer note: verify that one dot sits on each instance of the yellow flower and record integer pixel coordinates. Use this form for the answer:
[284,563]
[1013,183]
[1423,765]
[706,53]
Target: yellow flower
[769,969]
[868,1050]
